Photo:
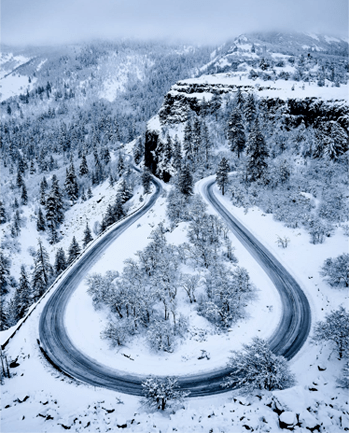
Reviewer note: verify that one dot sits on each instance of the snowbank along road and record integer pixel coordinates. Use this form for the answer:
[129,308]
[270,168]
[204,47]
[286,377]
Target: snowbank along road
[59,350]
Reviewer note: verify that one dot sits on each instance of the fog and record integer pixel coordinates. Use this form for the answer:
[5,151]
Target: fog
[202,21]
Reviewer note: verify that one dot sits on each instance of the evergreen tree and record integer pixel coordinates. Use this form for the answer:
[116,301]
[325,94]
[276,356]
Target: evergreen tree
[222,174]
[177,154]
[257,153]
[250,110]
[146,181]
[22,296]
[138,151]
[206,143]
[120,165]
[24,194]
[74,251]
[19,179]
[71,184]
[40,221]
[187,141]
[98,173]
[87,236]
[185,181]
[42,273]
[3,217]
[83,169]
[124,192]
[118,209]
[108,218]
[89,193]
[60,261]
[236,132]
[4,273]
[43,188]
[239,100]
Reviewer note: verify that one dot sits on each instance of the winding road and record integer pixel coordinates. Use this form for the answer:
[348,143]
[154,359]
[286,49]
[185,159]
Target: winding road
[287,339]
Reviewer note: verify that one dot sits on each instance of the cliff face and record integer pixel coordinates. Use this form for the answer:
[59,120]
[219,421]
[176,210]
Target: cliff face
[293,102]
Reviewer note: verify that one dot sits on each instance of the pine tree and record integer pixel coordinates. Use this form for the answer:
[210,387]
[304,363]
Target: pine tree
[89,193]
[32,169]
[250,110]
[239,100]
[19,179]
[177,154]
[42,273]
[222,174]
[187,141]
[40,221]
[3,216]
[60,261]
[206,143]
[138,151]
[185,181]
[43,188]
[24,194]
[118,209]
[22,296]
[108,218]
[257,153]
[124,192]
[146,181]
[87,236]
[4,273]
[83,169]
[120,165]
[105,154]
[236,132]
[98,173]
[74,251]
[71,184]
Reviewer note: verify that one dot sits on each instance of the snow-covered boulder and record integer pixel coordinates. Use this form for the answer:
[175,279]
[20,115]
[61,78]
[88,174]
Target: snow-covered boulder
[288,419]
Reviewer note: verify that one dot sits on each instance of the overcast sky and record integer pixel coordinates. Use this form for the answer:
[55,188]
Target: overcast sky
[207,21]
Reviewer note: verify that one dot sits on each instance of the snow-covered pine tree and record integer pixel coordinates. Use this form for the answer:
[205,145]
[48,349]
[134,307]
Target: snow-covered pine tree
[146,180]
[71,184]
[239,100]
[257,154]
[138,151]
[257,367]
[124,192]
[40,221]
[4,273]
[185,181]
[42,273]
[24,194]
[22,296]
[120,165]
[74,251]
[60,261]
[3,216]
[236,132]
[83,169]
[43,188]
[87,236]
[250,111]
[177,154]
[222,174]
[188,141]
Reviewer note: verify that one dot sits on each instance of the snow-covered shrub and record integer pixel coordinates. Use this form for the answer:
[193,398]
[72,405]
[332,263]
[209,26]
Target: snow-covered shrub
[162,334]
[160,393]
[335,328]
[257,367]
[336,271]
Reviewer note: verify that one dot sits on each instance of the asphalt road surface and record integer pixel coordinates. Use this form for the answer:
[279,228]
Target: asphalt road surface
[288,338]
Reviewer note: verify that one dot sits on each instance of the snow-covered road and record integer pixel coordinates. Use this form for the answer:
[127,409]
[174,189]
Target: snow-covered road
[287,339]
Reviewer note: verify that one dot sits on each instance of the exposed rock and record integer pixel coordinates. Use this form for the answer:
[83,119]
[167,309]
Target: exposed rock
[288,420]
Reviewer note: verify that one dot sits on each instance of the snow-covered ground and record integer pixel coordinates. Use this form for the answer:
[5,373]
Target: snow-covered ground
[55,400]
